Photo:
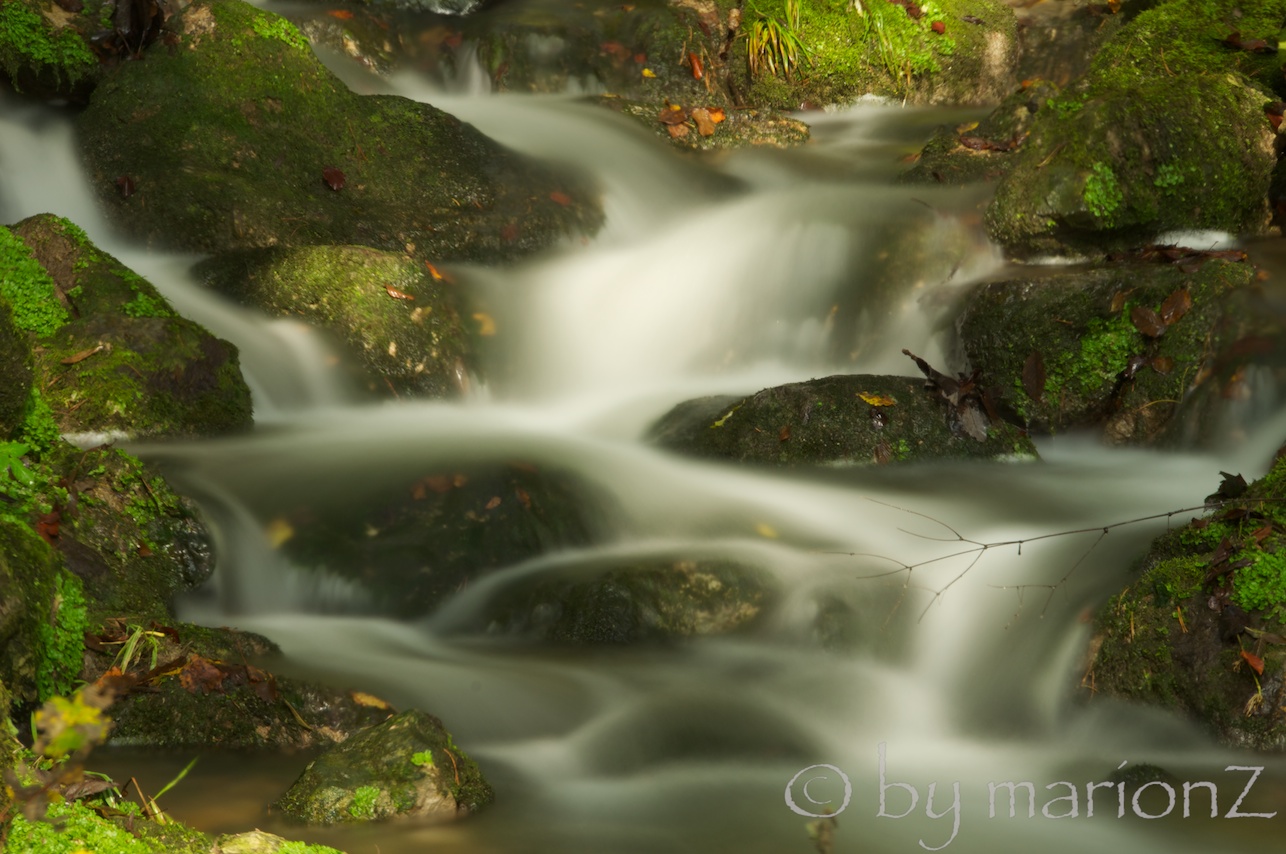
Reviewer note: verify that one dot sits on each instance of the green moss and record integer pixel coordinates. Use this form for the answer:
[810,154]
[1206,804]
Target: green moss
[62,639]
[274,27]
[29,43]
[362,806]
[39,429]
[424,758]
[1103,194]
[1262,585]
[27,287]
[1104,350]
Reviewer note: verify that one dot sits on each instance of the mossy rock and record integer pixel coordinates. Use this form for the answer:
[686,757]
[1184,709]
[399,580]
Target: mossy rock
[1204,594]
[234,136]
[77,826]
[743,128]
[406,767]
[883,51]
[259,842]
[1166,131]
[113,358]
[219,698]
[840,420]
[627,602]
[15,372]
[1097,369]
[408,340]
[947,159]
[415,542]
[45,50]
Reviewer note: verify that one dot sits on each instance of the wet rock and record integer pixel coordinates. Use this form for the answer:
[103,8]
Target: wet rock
[735,129]
[1148,141]
[399,321]
[1059,40]
[234,136]
[111,357]
[417,543]
[839,420]
[42,617]
[259,842]
[628,602]
[1074,347]
[406,767]
[214,695]
[881,50]
[1165,639]
[985,150]
[15,370]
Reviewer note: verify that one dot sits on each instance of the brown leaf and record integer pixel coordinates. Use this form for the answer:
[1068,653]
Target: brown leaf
[1163,364]
[1274,111]
[1147,322]
[333,178]
[1256,663]
[783,434]
[677,131]
[705,125]
[939,27]
[1118,301]
[1176,305]
[1034,375]
[673,115]
[396,294]
[200,676]
[1261,534]
[694,62]
[494,502]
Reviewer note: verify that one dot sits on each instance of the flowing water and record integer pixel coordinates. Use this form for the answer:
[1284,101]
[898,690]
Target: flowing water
[716,275]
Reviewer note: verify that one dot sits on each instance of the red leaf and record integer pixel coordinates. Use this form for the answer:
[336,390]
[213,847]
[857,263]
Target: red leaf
[1256,663]
[694,62]
[939,27]
[334,178]
[561,198]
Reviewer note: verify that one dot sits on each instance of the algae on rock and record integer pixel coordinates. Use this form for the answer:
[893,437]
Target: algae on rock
[237,137]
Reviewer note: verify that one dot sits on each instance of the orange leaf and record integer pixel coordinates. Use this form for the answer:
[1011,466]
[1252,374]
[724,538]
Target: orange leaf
[493,503]
[1256,663]
[876,399]
[694,62]
[396,294]
[561,198]
[438,275]
[200,676]
[342,14]
[716,114]
[486,324]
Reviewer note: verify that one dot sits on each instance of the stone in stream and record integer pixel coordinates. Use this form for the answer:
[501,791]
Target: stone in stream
[840,420]
[413,543]
[629,601]
[111,357]
[1141,352]
[230,134]
[399,320]
[406,767]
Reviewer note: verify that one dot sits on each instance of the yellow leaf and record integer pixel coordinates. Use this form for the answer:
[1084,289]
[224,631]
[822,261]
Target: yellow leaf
[763,529]
[649,73]
[370,701]
[279,531]
[486,324]
[876,399]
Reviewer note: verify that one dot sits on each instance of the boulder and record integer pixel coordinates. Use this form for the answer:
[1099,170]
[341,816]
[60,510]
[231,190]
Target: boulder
[233,136]
[406,767]
[840,420]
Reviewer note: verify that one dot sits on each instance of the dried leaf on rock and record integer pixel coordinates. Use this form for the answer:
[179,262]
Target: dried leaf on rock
[783,434]
[694,62]
[200,676]
[673,115]
[677,131]
[1176,305]
[1147,321]
[1163,364]
[1232,486]
[396,294]
[705,125]
[334,178]
[876,399]
[1256,663]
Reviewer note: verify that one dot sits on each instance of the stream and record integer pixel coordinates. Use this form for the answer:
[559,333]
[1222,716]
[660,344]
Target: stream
[712,275]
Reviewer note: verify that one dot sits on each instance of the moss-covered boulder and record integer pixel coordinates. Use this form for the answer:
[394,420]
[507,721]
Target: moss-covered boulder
[15,365]
[406,767]
[1166,131]
[111,356]
[1120,348]
[631,601]
[1202,630]
[234,136]
[879,48]
[413,543]
[214,694]
[45,49]
[840,420]
[399,320]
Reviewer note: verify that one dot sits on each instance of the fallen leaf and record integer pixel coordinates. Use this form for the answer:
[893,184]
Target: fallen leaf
[369,701]
[437,275]
[561,198]
[648,73]
[1147,322]
[1176,305]
[876,399]
[333,178]
[615,49]
[672,114]
[84,354]
[486,324]
[125,185]
[200,676]
[341,14]
[783,434]
[1261,534]
[1034,375]
[523,498]
[1231,486]
[278,532]
[1118,301]
[1274,112]
[677,131]
[494,502]
[1256,663]
[396,294]
[716,114]
[1163,364]
[939,27]
[694,62]
[705,125]
[970,19]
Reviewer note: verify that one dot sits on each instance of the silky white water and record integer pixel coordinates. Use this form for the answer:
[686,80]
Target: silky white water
[718,275]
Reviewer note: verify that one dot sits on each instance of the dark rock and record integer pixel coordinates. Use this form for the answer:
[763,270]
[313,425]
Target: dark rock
[406,767]
[398,322]
[15,372]
[415,544]
[847,420]
[1098,369]
[628,602]
[227,133]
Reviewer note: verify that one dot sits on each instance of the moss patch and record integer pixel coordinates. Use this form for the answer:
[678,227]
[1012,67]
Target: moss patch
[38,47]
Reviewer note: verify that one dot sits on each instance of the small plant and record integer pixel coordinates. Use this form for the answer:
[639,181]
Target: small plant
[363,803]
[773,45]
[423,759]
[1103,194]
